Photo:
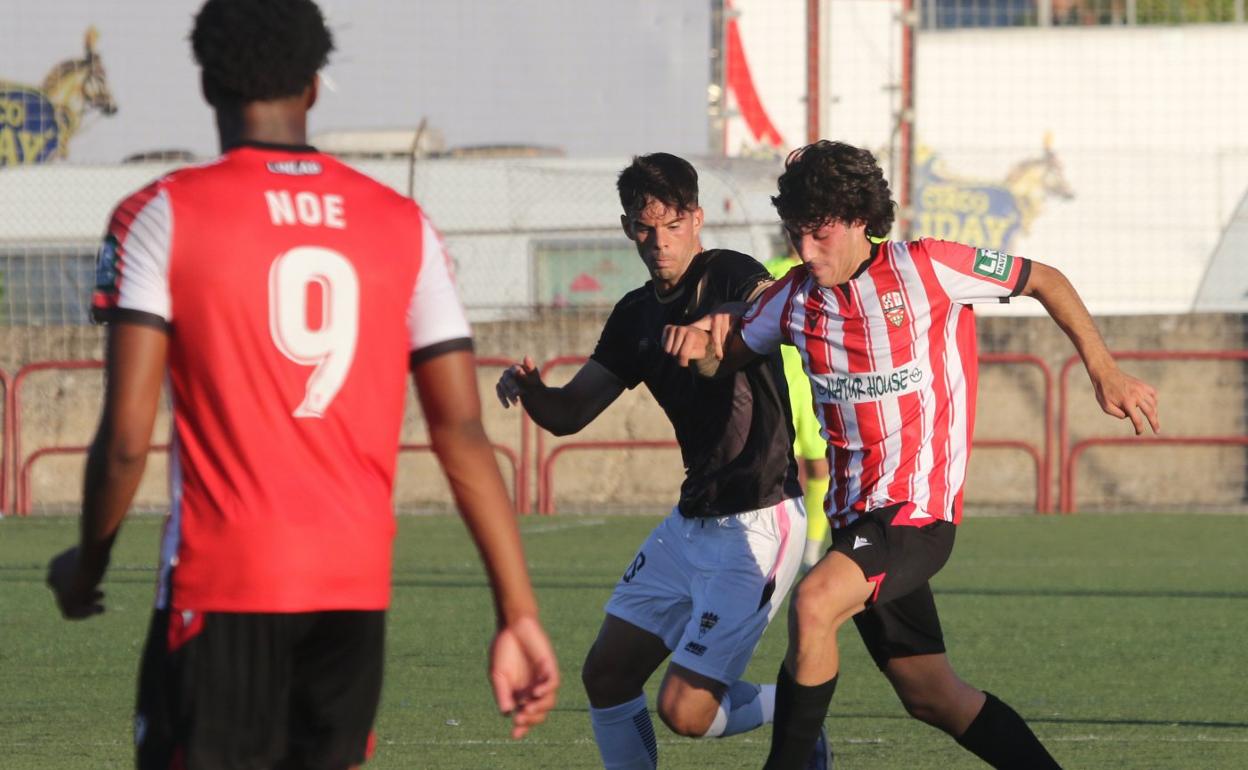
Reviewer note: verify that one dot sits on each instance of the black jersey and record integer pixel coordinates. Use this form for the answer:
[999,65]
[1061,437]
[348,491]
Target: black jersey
[735,433]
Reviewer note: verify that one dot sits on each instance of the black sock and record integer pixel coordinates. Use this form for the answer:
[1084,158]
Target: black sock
[1000,737]
[799,718]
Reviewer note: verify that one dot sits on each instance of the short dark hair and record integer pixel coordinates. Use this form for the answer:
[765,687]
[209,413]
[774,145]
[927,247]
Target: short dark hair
[828,181]
[662,176]
[259,50]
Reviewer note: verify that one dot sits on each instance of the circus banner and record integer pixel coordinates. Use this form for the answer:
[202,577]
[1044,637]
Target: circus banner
[37,123]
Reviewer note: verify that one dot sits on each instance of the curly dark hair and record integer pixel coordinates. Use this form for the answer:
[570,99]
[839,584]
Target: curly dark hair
[828,181]
[259,50]
[662,176]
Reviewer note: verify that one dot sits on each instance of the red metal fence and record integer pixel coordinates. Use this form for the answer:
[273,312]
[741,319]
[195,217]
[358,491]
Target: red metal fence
[21,467]
[524,462]
[1070,454]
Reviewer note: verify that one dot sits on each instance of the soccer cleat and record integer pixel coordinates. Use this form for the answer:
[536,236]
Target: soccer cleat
[821,757]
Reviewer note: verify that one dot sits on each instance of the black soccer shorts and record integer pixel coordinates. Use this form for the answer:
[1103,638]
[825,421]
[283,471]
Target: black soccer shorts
[900,619]
[259,690]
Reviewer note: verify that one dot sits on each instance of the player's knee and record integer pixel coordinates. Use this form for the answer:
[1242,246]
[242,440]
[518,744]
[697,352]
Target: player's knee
[815,606]
[605,681]
[686,718]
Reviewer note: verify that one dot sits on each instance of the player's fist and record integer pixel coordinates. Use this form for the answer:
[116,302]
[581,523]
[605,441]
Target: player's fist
[517,380]
[524,674]
[77,594]
[686,343]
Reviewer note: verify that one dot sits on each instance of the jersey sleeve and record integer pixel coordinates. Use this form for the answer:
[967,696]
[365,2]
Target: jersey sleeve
[132,267]
[436,322]
[618,346]
[970,275]
[742,276]
[762,326]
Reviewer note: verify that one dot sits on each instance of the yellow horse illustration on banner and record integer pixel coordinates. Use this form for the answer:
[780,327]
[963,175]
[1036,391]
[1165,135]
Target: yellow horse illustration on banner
[985,213]
[36,124]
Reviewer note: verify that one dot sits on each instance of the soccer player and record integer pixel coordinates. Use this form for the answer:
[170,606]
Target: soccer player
[887,339]
[286,297]
[712,574]
[809,447]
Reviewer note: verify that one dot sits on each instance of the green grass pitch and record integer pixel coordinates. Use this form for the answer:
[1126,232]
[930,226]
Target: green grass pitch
[1119,638]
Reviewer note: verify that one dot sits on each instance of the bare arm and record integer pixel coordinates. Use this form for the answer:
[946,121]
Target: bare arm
[565,410]
[1119,394]
[523,670]
[134,371]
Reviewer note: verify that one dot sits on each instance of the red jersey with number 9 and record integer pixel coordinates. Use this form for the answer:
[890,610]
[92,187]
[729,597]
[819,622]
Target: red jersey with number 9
[295,292]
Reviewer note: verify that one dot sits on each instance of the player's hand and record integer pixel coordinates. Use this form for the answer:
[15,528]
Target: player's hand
[524,674]
[77,594]
[686,343]
[516,381]
[721,325]
[1127,398]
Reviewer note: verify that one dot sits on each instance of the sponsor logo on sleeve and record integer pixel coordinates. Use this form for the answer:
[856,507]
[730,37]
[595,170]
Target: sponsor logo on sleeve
[865,387]
[106,265]
[993,264]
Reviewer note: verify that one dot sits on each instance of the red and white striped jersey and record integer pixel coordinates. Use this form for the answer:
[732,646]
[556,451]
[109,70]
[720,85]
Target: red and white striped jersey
[891,357]
[294,291]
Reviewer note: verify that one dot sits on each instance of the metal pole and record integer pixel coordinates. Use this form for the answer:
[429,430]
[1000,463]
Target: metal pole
[907,119]
[716,92]
[813,56]
[413,152]
[1044,12]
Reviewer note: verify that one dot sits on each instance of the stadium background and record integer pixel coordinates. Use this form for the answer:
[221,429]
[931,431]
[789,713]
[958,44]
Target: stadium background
[1106,138]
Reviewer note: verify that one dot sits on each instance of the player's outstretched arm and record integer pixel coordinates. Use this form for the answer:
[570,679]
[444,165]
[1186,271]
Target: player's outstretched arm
[562,411]
[134,369]
[1118,393]
[523,671]
[712,344]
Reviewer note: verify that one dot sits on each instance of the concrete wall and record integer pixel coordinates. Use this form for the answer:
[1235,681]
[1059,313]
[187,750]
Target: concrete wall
[1198,398]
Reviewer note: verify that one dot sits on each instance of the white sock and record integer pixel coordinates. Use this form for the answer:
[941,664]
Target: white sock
[744,707]
[625,736]
[812,553]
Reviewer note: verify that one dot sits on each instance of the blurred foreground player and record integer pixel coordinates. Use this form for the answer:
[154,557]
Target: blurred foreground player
[286,297]
[887,338]
[713,573]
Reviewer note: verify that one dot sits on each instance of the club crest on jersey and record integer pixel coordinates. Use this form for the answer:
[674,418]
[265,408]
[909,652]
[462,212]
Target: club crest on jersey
[894,307]
[708,621]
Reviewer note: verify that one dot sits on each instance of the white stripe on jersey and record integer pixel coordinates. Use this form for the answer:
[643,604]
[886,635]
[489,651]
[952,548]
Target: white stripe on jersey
[435,313]
[917,302]
[144,281]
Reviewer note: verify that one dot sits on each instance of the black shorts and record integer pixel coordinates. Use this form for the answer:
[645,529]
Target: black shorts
[900,619]
[259,690]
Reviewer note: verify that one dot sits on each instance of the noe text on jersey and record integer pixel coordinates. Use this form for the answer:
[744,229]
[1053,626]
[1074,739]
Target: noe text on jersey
[306,208]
